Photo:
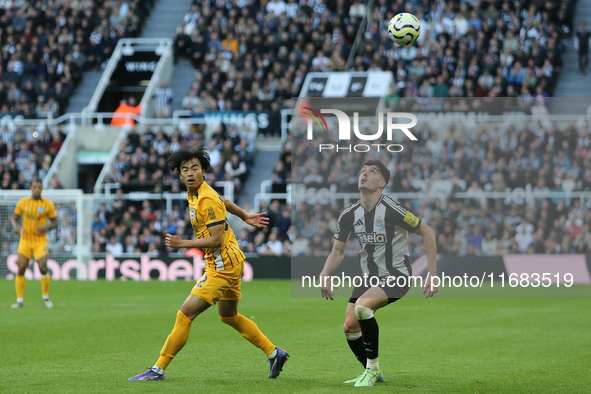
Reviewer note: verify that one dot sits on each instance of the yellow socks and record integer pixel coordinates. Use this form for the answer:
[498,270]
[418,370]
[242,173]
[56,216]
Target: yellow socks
[19,284]
[180,334]
[249,330]
[45,279]
[175,341]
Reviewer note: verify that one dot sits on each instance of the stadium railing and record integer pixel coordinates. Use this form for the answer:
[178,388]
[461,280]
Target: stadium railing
[267,197]
[65,160]
[520,196]
[285,123]
[111,159]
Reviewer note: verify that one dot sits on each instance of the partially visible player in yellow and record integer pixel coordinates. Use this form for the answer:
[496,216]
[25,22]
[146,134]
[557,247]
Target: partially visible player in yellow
[220,284]
[38,215]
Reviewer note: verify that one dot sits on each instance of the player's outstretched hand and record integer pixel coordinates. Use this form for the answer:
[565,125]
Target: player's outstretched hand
[16,230]
[428,289]
[173,241]
[325,289]
[258,220]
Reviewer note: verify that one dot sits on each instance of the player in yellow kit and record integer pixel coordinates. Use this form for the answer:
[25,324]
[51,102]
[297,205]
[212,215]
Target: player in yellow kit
[35,211]
[220,284]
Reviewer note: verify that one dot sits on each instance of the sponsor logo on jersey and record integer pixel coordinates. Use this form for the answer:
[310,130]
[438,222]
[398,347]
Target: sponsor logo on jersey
[371,238]
[358,223]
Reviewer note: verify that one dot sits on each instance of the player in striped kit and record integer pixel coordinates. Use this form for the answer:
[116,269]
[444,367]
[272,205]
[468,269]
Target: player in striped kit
[381,226]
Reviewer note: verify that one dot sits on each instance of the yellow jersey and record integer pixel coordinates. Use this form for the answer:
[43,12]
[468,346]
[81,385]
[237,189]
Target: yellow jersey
[34,214]
[207,210]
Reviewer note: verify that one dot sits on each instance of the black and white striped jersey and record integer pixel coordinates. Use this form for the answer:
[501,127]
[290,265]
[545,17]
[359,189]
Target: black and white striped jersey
[383,235]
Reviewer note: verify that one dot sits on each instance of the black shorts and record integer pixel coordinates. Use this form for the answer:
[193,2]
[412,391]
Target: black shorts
[388,284]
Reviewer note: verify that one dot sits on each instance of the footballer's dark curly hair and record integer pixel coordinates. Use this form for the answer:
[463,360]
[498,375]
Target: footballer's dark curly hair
[381,167]
[178,158]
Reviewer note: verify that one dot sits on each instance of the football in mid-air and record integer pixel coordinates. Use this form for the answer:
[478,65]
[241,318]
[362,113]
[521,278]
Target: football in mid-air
[404,29]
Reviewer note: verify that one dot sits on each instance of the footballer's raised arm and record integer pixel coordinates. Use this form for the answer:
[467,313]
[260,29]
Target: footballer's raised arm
[234,209]
[256,219]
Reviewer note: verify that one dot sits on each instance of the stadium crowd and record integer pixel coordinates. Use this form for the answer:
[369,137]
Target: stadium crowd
[497,157]
[472,48]
[254,55]
[141,164]
[45,47]
[27,153]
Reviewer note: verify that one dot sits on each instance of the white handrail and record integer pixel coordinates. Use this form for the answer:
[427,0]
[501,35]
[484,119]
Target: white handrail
[266,185]
[55,164]
[111,159]
[157,75]
[268,196]
[104,81]
[178,113]
[523,195]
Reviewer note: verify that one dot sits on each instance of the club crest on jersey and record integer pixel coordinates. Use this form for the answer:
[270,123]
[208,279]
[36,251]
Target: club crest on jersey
[379,222]
[192,214]
[40,210]
[371,238]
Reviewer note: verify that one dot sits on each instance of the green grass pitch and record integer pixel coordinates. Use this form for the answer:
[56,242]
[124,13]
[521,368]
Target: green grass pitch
[100,333]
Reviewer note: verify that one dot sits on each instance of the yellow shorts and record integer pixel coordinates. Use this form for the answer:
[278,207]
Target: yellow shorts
[29,249]
[219,285]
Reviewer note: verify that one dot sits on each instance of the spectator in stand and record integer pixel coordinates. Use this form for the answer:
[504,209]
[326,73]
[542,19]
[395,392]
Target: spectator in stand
[191,100]
[277,7]
[358,9]
[283,223]
[582,39]
[236,169]
[163,97]
[475,239]
[273,247]
[114,247]
[122,117]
